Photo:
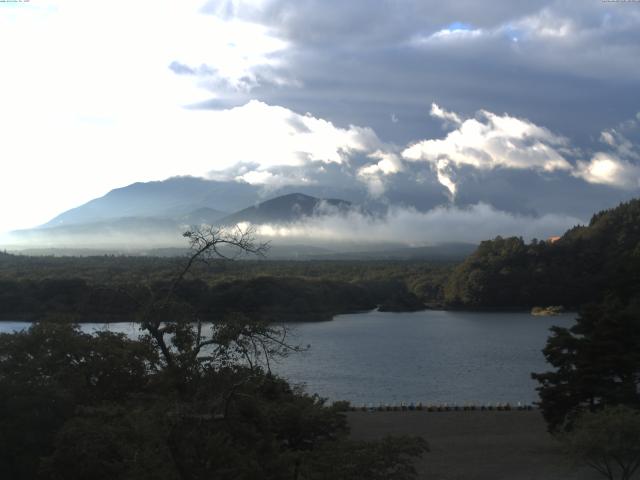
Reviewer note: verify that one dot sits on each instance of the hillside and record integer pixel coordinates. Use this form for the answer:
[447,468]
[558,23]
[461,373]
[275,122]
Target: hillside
[170,198]
[582,266]
[180,197]
[286,209]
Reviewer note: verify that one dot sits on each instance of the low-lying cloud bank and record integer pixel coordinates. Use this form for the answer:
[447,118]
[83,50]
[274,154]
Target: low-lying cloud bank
[332,228]
[408,226]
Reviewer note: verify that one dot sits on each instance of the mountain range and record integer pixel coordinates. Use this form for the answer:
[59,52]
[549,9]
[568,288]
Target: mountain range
[180,197]
[287,209]
[152,216]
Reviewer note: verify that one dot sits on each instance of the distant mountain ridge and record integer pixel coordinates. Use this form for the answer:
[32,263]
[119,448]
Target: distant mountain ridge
[177,197]
[155,214]
[280,210]
[286,209]
[171,198]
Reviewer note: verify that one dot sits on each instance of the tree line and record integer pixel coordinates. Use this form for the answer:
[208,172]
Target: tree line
[584,265]
[101,288]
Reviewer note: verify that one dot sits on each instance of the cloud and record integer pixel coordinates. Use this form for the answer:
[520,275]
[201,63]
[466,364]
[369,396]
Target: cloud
[96,105]
[331,19]
[616,139]
[373,174]
[448,117]
[447,35]
[487,142]
[182,69]
[545,24]
[333,228]
[619,166]
[607,169]
[263,177]
[271,136]
[549,61]
[269,179]
[490,141]
[408,226]
[608,138]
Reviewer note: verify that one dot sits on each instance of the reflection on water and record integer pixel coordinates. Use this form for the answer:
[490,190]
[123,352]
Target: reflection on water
[429,357]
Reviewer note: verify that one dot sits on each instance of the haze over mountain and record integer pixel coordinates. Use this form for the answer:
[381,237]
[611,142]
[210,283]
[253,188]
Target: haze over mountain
[153,215]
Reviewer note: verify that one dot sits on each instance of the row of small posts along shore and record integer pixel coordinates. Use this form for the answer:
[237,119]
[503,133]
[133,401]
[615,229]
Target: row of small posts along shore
[445,407]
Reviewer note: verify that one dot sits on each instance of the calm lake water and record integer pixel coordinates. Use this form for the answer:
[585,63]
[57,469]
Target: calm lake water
[429,356]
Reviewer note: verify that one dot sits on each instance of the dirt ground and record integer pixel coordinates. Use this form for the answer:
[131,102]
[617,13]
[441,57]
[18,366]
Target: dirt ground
[476,445]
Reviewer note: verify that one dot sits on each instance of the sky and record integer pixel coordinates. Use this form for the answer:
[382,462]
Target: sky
[522,110]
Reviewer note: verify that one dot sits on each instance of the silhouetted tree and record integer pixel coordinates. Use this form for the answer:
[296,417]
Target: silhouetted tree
[597,363]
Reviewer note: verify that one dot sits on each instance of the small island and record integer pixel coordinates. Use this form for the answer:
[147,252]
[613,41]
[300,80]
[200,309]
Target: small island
[549,311]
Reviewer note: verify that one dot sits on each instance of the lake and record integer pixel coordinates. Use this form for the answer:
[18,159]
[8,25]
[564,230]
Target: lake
[430,356]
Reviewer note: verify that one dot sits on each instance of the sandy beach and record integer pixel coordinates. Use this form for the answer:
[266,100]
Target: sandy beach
[476,445]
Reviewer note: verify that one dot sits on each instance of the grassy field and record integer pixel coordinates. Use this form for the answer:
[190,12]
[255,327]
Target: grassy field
[476,445]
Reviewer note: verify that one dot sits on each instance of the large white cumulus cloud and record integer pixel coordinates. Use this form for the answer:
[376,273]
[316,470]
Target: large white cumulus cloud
[267,136]
[608,169]
[618,166]
[274,146]
[490,141]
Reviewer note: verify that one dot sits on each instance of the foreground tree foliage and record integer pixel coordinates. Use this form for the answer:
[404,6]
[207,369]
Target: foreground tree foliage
[608,441]
[189,400]
[597,363]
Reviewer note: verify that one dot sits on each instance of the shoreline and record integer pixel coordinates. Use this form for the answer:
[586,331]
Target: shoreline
[316,317]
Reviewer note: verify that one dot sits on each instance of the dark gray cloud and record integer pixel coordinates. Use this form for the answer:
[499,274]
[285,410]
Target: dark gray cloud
[531,193]
[572,67]
[327,23]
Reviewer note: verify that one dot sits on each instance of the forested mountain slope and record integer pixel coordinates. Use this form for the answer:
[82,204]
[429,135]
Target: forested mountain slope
[582,266]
